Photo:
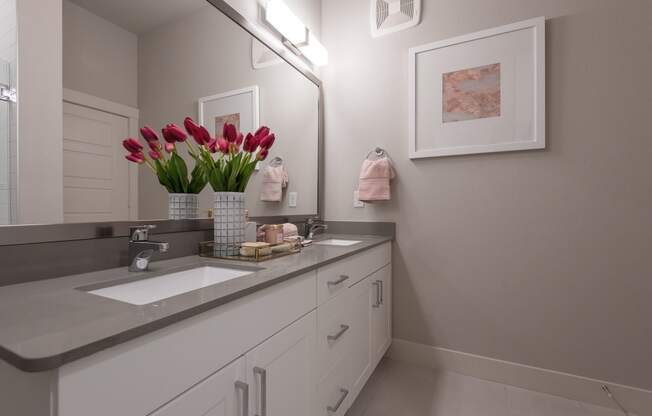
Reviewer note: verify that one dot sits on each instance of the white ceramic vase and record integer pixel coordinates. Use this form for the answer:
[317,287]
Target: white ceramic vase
[229,222]
[182,206]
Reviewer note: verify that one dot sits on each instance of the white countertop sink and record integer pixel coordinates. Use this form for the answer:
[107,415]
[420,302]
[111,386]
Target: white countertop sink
[145,291]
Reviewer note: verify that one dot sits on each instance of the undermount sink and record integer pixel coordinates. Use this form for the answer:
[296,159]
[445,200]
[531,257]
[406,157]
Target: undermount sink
[337,242]
[145,291]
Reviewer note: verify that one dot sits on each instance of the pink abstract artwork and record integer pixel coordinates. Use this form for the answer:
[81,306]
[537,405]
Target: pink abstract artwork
[471,94]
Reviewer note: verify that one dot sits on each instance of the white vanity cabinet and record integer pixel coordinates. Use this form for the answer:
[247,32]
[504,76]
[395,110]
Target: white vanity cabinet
[223,394]
[303,347]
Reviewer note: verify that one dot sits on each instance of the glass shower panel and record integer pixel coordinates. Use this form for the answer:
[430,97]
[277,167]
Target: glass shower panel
[8,138]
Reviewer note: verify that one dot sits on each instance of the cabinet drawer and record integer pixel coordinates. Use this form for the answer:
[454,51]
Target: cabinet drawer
[334,395]
[139,376]
[335,278]
[334,329]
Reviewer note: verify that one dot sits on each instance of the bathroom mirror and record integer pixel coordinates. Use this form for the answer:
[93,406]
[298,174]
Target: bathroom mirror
[131,63]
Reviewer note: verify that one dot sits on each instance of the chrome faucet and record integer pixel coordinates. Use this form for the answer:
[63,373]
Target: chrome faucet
[312,225]
[141,249]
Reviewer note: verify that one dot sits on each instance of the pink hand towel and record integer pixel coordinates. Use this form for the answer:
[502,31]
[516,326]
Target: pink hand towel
[275,178]
[374,180]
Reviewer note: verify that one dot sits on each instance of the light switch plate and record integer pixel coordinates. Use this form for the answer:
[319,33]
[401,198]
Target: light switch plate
[292,199]
[356,200]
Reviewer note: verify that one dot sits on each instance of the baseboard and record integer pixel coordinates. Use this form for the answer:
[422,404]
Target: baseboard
[635,400]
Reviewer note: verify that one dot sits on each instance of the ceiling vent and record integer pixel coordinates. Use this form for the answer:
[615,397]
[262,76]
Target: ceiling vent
[388,16]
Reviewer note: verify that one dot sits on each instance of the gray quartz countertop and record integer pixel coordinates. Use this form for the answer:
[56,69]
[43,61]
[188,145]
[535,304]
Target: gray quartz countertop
[48,323]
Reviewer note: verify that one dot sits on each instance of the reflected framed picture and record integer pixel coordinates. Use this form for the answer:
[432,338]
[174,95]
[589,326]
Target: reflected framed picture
[238,107]
[479,93]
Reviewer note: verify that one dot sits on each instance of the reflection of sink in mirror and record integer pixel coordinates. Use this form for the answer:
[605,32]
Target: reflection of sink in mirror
[142,292]
[336,242]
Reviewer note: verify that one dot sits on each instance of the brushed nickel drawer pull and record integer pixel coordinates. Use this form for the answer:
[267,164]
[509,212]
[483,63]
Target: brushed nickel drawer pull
[335,408]
[343,329]
[244,387]
[262,403]
[377,284]
[343,278]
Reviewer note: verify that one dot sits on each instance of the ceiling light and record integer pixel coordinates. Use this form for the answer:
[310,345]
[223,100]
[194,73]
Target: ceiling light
[314,51]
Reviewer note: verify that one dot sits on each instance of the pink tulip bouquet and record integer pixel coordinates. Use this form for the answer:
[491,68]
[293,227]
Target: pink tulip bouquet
[236,155]
[230,171]
[168,166]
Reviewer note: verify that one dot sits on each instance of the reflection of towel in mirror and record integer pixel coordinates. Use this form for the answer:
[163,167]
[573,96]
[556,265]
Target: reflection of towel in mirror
[274,179]
[374,180]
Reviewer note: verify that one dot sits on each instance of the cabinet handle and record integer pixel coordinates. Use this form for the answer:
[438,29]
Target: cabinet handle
[343,278]
[382,292]
[343,329]
[261,373]
[377,284]
[244,388]
[335,408]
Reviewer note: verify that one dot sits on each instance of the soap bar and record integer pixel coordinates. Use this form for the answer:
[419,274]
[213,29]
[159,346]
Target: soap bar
[249,249]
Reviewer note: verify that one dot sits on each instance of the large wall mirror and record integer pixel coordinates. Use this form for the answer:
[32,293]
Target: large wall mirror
[133,63]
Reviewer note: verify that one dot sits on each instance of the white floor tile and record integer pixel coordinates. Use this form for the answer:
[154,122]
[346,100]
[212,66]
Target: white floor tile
[399,389]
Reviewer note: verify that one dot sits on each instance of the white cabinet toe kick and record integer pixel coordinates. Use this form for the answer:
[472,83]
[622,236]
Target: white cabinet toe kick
[304,347]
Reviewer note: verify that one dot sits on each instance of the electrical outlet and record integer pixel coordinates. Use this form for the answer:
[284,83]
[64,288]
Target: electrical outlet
[292,199]
[356,200]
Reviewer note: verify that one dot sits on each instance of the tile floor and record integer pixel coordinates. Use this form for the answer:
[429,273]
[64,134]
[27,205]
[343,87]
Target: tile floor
[398,389]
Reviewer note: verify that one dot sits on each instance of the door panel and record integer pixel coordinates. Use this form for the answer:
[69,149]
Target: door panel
[381,323]
[280,371]
[96,174]
[221,394]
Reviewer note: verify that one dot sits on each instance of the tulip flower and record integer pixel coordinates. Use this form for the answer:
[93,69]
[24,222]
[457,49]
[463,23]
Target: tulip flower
[248,141]
[176,132]
[267,141]
[262,155]
[149,134]
[167,135]
[190,125]
[261,133]
[201,135]
[136,158]
[223,145]
[230,133]
[212,145]
[132,145]
[154,154]
[169,147]
[154,145]
[239,140]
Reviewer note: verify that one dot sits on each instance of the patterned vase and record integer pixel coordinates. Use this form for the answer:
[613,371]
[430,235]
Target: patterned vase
[229,222]
[182,206]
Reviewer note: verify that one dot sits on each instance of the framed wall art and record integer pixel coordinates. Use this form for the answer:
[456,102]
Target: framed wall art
[479,93]
[238,107]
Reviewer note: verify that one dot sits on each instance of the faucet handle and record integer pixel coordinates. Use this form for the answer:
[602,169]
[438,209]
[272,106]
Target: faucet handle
[140,232]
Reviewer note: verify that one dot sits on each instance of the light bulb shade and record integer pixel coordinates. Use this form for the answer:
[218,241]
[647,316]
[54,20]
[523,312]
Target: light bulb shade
[279,15]
[314,51]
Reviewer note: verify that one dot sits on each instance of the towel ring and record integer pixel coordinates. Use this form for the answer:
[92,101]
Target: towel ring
[277,161]
[378,152]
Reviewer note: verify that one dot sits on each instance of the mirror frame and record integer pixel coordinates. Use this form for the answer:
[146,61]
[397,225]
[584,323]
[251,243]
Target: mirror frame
[43,233]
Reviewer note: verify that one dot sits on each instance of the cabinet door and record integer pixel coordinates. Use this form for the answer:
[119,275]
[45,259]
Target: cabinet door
[361,368]
[223,394]
[381,312]
[280,371]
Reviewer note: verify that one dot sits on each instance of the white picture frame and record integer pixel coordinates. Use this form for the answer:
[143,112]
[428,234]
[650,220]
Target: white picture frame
[244,101]
[516,53]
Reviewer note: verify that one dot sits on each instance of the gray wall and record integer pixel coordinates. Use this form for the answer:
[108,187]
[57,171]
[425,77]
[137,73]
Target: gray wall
[540,257]
[206,54]
[99,57]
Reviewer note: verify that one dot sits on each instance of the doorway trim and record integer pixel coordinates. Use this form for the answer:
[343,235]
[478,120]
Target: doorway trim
[131,114]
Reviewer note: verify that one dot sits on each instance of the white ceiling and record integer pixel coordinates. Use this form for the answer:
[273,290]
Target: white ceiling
[141,16]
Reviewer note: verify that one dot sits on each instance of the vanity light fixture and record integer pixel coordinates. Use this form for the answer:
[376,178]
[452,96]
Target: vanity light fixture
[279,15]
[314,51]
[296,35]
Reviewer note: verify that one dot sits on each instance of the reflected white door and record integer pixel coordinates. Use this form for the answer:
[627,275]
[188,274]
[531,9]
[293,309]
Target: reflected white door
[95,172]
